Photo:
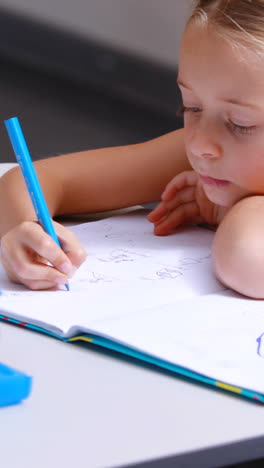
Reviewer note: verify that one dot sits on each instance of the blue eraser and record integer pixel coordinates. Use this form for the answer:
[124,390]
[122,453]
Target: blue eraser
[14,386]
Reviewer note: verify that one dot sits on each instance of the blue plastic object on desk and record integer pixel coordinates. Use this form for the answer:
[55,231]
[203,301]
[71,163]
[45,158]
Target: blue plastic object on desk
[14,386]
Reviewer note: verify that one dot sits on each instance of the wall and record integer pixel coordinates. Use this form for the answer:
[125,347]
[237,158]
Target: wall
[149,28]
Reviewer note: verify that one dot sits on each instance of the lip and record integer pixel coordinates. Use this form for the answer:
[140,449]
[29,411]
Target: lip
[213,182]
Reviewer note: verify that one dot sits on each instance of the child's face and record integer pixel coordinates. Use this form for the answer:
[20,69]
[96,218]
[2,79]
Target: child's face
[223,92]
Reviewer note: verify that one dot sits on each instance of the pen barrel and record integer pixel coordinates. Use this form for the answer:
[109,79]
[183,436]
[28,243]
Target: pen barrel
[29,173]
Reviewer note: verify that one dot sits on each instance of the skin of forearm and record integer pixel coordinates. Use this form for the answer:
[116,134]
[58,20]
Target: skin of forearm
[95,180]
[118,177]
[238,248]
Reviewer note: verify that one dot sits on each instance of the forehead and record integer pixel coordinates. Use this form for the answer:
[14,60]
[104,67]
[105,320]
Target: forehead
[210,61]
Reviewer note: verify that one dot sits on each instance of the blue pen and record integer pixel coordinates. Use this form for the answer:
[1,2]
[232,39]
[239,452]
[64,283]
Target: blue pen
[24,160]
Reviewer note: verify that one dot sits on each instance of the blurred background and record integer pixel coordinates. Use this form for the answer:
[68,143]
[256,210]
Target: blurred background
[89,73]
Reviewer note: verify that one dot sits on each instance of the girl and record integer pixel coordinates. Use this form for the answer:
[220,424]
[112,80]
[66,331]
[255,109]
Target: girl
[216,163]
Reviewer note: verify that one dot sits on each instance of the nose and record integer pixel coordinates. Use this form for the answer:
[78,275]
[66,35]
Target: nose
[204,141]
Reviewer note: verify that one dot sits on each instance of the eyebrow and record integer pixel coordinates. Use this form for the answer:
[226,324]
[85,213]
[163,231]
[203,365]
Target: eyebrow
[236,102]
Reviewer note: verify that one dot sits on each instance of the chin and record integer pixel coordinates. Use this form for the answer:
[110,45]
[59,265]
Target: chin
[219,197]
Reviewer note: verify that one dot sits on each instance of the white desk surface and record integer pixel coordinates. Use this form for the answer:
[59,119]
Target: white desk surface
[90,408]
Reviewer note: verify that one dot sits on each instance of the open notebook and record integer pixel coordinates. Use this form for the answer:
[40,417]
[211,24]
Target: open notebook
[153,298]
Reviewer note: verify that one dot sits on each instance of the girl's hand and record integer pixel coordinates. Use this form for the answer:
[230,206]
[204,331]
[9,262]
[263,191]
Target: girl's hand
[184,201]
[27,254]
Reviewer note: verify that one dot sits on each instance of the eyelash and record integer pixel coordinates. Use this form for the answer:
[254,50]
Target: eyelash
[234,127]
[240,129]
[184,109]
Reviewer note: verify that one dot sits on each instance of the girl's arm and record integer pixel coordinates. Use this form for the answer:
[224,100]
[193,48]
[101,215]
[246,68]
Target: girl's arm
[95,180]
[89,181]
[238,249]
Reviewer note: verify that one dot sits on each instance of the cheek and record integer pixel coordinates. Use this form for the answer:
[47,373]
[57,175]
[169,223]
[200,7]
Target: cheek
[189,126]
[250,172]
[187,139]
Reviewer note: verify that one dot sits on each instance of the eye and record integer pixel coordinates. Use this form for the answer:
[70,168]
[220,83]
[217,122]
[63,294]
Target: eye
[184,109]
[240,129]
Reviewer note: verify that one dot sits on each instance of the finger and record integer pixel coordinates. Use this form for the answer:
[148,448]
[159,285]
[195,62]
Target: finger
[186,195]
[22,265]
[35,239]
[38,285]
[159,211]
[72,247]
[188,212]
[21,268]
[19,277]
[187,178]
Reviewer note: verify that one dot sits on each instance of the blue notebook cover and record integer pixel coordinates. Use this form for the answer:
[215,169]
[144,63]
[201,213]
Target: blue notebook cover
[182,371]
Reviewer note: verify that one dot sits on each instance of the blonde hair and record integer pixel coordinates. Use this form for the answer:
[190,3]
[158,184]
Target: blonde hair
[240,22]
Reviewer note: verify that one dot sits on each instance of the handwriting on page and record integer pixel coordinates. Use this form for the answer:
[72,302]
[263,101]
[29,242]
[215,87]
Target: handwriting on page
[155,294]
[123,251]
[126,265]
[260,347]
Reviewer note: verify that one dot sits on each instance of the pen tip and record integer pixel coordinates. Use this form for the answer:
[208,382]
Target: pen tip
[67,287]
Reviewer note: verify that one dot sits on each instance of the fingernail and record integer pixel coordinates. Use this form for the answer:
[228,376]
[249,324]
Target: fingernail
[73,271]
[65,267]
[61,280]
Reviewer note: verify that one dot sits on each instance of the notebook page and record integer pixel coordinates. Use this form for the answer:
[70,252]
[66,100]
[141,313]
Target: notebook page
[127,269]
[220,336]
